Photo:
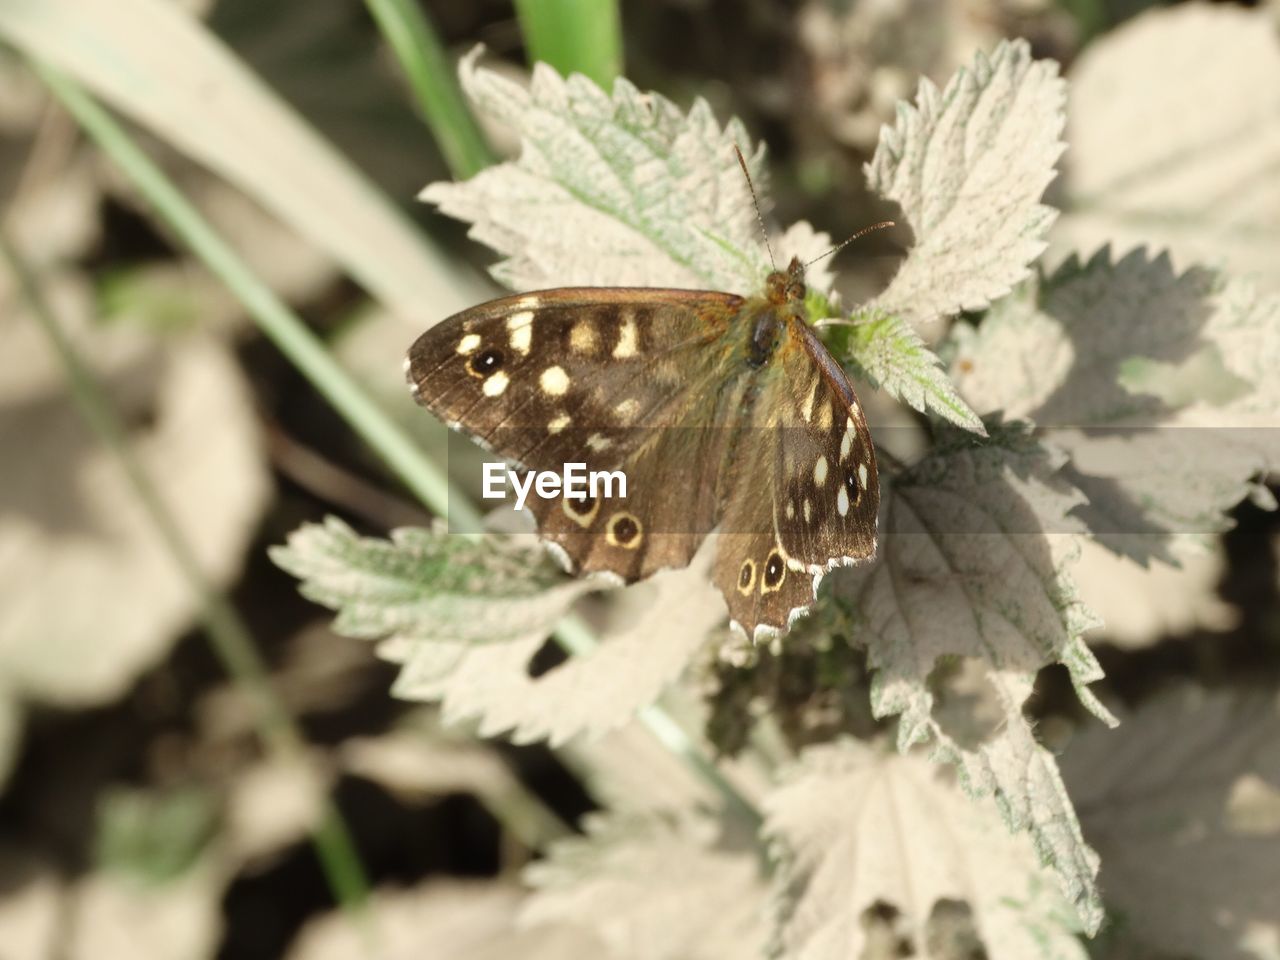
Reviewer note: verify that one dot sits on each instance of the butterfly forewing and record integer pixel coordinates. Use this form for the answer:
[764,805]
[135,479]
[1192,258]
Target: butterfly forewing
[565,375]
[611,378]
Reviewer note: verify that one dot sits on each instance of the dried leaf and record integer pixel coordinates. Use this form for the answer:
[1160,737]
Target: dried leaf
[71,525]
[653,888]
[1183,803]
[968,165]
[854,828]
[459,921]
[1175,137]
[158,64]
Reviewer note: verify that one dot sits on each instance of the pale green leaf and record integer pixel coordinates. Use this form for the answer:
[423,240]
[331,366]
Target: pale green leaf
[1174,126]
[429,587]
[1183,803]
[1178,369]
[612,190]
[888,352]
[466,617]
[976,540]
[1055,350]
[655,628]
[854,829]
[653,887]
[968,165]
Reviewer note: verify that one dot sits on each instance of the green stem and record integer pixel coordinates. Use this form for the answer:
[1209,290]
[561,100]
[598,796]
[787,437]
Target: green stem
[574,36]
[228,634]
[423,59]
[284,327]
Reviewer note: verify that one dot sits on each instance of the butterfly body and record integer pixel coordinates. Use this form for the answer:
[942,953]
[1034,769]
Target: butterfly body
[723,412]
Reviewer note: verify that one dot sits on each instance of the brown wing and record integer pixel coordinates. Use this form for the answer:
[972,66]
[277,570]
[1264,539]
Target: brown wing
[803,493]
[635,380]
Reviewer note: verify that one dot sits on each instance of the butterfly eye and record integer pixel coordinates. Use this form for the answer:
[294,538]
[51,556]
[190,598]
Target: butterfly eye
[795,291]
[774,572]
[581,509]
[486,362]
[624,531]
[851,485]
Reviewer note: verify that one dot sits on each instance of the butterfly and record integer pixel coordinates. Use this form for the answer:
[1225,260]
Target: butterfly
[723,412]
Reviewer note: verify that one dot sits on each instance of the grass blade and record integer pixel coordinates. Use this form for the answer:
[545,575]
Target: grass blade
[431,75]
[574,36]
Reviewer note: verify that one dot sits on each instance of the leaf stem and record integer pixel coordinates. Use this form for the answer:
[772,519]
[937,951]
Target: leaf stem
[284,327]
[228,635]
[417,47]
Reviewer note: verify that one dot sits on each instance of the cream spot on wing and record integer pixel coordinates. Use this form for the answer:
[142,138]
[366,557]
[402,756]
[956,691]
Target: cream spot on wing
[582,338]
[520,327]
[559,423]
[496,384]
[862,476]
[627,410]
[820,471]
[807,410]
[468,343]
[846,442]
[628,342]
[791,510]
[554,381]
[824,417]
[598,442]
[842,502]
[527,302]
[808,512]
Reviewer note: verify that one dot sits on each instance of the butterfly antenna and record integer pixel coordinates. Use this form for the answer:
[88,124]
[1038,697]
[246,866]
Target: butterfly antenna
[861,233]
[742,162]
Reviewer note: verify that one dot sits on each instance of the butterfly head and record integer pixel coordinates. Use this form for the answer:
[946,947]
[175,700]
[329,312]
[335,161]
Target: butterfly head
[786,286]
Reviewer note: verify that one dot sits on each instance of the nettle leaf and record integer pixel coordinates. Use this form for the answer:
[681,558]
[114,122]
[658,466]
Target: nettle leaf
[653,887]
[885,350]
[1184,804]
[427,586]
[931,847]
[968,165]
[1190,163]
[1132,353]
[658,627]
[465,619]
[976,539]
[658,192]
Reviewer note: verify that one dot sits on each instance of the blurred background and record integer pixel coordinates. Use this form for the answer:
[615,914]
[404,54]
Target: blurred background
[140,813]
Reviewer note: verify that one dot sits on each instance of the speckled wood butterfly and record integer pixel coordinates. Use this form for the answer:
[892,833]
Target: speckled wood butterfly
[724,412]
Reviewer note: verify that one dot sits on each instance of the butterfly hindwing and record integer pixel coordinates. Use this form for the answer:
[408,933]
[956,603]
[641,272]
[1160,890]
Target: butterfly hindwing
[806,498]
